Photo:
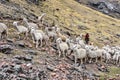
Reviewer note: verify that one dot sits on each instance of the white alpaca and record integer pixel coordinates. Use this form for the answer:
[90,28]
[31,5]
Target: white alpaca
[80,41]
[62,47]
[106,56]
[51,32]
[20,29]
[99,53]
[37,36]
[79,53]
[37,31]
[46,39]
[91,53]
[116,57]
[70,43]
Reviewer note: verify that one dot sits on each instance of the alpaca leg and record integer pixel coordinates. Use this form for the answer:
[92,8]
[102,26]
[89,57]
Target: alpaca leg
[64,54]
[26,35]
[113,61]
[116,62]
[119,62]
[96,59]
[101,59]
[109,60]
[33,39]
[19,36]
[0,36]
[37,44]
[6,36]
[85,60]
[90,60]
[75,61]
[59,53]
[106,61]
[46,43]
[40,42]
[81,61]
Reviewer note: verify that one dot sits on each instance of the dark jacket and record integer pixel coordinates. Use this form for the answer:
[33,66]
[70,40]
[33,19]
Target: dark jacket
[87,36]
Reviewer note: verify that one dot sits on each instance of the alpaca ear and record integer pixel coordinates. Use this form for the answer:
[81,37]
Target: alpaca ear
[61,30]
[22,16]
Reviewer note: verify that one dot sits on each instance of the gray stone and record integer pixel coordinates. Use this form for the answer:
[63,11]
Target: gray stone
[118,35]
[24,77]
[32,52]
[1,76]
[10,40]
[20,44]
[5,66]
[19,57]
[5,48]
[16,61]
[51,68]
[33,1]
[10,71]
[28,58]
[18,68]
[41,74]
[82,27]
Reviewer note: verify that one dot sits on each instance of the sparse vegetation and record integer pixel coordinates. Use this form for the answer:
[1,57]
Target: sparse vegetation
[71,17]
[112,74]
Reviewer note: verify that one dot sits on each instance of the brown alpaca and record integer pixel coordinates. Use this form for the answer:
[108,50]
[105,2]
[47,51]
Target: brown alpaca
[63,37]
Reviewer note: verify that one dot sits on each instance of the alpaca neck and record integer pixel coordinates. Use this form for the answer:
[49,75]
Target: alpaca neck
[46,29]
[26,23]
[17,26]
[32,31]
[59,34]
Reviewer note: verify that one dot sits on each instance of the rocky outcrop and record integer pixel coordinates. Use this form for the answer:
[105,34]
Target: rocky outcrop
[109,7]
[4,1]
[14,11]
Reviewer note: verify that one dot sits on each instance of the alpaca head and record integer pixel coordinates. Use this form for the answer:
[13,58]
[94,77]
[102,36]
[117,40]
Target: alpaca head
[15,23]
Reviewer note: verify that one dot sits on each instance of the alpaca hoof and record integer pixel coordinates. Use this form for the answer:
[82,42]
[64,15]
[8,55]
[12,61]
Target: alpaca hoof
[90,62]
[34,42]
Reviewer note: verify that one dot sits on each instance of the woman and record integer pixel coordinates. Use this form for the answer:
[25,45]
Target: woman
[87,38]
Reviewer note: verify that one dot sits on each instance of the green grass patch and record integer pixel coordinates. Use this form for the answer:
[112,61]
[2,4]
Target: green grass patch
[111,74]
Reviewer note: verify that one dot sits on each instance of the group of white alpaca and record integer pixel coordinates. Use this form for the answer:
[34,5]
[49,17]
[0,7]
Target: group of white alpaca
[75,47]
[93,53]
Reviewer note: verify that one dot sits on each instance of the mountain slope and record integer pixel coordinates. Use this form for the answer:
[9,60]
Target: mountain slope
[70,16]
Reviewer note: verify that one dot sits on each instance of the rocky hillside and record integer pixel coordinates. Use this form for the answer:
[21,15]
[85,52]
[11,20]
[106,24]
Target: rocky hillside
[69,15]
[20,60]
